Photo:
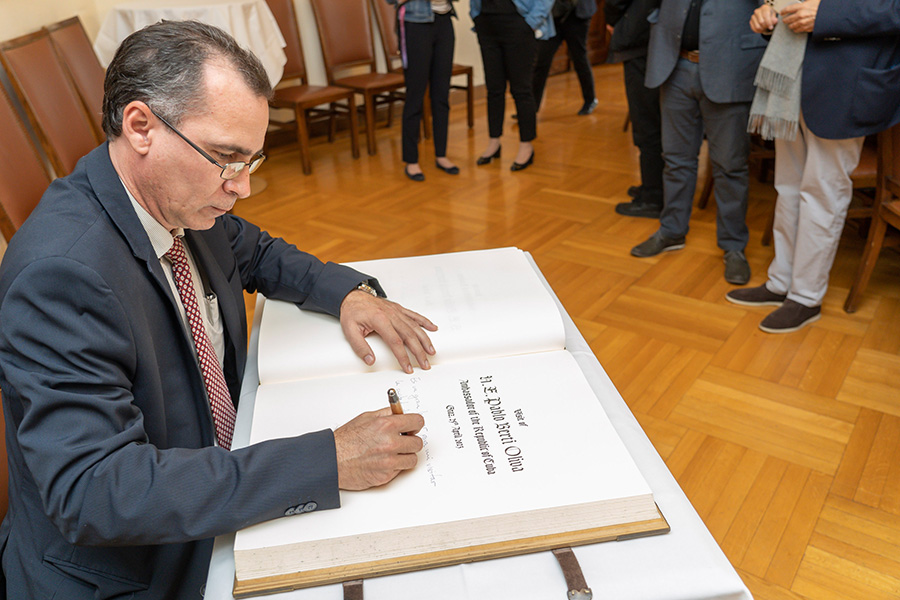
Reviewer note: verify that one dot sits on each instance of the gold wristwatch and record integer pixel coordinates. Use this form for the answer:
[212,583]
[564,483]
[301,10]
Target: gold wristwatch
[365,287]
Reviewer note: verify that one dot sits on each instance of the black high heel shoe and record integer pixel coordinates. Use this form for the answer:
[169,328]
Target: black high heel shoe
[486,160]
[520,166]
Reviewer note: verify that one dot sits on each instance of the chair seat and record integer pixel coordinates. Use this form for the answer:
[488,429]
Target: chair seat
[307,95]
[460,69]
[371,82]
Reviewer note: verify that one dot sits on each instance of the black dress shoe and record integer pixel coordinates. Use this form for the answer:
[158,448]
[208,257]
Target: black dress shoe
[454,170]
[639,209]
[588,107]
[414,177]
[520,166]
[486,160]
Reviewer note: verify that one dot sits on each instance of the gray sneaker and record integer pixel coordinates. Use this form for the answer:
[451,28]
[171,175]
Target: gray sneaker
[755,296]
[657,243]
[790,317]
[737,270]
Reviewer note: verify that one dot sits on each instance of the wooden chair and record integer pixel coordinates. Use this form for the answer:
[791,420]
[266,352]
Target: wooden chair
[886,211]
[23,177]
[77,55]
[386,18]
[305,99]
[51,102]
[345,33]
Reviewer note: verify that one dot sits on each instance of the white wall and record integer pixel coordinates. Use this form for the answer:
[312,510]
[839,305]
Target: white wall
[18,17]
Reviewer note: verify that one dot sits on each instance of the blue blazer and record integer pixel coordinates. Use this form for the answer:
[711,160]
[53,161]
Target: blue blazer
[116,488]
[851,70]
[729,51]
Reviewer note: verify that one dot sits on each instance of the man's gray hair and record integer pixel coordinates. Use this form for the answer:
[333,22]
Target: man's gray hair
[162,66]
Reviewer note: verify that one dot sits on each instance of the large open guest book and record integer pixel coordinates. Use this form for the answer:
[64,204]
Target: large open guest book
[518,454]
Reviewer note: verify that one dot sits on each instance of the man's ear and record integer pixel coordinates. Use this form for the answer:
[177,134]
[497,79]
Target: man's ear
[138,126]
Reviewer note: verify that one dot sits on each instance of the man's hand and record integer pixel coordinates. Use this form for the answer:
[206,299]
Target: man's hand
[763,19]
[801,16]
[400,328]
[372,450]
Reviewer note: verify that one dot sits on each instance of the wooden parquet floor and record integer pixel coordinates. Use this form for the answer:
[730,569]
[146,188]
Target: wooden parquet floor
[788,446]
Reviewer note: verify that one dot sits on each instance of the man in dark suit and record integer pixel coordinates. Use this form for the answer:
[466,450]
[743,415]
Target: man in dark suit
[849,88]
[123,341]
[703,57]
[626,20]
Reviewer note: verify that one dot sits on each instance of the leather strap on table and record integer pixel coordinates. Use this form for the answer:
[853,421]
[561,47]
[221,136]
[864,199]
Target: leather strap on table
[578,588]
[353,590]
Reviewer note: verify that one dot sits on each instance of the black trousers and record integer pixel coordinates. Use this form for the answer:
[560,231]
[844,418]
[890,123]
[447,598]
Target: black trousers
[429,65]
[574,32]
[646,128]
[508,48]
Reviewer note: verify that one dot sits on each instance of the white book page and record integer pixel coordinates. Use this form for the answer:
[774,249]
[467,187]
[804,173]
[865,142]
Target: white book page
[485,303]
[502,436]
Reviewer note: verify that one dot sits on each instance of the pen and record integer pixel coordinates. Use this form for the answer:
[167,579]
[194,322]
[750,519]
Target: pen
[394,400]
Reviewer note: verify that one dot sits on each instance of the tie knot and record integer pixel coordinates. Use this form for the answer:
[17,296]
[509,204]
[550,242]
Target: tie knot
[176,252]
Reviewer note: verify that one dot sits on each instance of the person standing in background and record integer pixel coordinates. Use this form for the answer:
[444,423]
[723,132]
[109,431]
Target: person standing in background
[507,31]
[703,56]
[571,27]
[626,21]
[426,47]
[846,61]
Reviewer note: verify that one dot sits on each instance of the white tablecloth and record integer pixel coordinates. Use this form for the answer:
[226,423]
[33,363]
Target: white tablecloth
[250,22]
[684,564]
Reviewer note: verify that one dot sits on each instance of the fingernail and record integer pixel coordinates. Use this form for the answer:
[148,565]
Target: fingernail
[370,360]
[430,349]
[427,365]
[408,369]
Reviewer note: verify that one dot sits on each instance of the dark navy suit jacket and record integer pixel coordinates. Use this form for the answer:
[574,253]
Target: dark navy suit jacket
[729,50]
[851,70]
[116,487]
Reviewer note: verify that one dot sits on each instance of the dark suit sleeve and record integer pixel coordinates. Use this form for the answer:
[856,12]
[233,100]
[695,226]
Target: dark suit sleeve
[279,270]
[857,18]
[614,9]
[70,361]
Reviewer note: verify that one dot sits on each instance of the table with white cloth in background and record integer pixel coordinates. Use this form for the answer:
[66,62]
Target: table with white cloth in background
[684,564]
[250,22]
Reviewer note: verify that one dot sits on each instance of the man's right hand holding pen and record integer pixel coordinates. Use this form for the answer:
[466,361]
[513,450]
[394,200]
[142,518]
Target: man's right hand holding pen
[376,446]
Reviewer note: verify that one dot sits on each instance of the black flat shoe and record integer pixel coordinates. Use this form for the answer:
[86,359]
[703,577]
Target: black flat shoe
[416,177]
[454,170]
[486,160]
[520,166]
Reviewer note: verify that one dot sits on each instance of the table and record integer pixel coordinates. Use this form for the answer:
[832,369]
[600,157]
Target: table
[250,22]
[684,564]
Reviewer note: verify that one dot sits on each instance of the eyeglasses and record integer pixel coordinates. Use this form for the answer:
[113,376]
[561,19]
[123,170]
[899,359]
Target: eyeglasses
[229,170]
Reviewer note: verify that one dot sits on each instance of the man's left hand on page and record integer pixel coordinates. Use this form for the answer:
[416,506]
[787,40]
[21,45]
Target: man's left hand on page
[400,328]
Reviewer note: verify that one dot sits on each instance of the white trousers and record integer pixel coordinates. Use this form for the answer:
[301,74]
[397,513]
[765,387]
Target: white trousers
[812,178]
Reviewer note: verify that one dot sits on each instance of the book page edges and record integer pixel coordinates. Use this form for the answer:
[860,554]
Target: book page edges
[307,564]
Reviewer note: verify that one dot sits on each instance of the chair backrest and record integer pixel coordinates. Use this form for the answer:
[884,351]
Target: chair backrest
[23,178]
[74,49]
[386,18]
[286,16]
[345,32]
[50,100]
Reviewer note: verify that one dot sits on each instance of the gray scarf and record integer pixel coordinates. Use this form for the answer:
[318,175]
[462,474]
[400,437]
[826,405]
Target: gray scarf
[775,112]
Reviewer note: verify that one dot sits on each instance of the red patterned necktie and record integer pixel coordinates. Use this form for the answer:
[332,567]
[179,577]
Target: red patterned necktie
[219,399]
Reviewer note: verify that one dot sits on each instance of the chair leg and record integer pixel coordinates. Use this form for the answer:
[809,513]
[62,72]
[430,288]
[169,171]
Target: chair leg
[332,121]
[706,192]
[470,100]
[354,127]
[370,123]
[303,140]
[426,115]
[770,226]
[866,263]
